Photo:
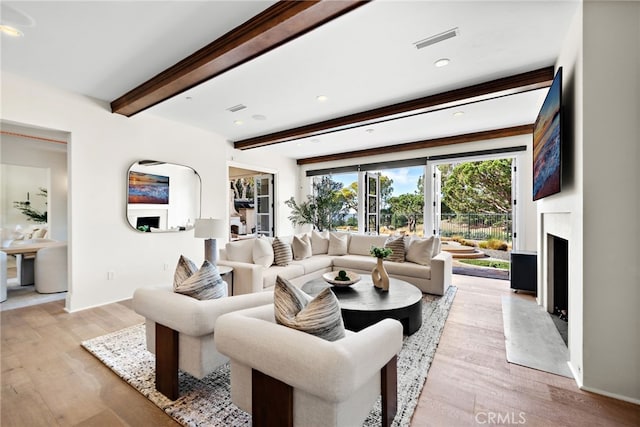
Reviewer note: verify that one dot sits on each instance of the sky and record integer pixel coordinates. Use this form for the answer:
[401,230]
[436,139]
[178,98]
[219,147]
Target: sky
[405,180]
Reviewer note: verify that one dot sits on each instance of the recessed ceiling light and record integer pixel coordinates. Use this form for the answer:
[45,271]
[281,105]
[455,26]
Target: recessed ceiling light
[236,108]
[315,140]
[458,114]
[370,130]
[237,122]
[188,98]
[299,144]
[259,117]
[442,62]
[322,98]
[10,31]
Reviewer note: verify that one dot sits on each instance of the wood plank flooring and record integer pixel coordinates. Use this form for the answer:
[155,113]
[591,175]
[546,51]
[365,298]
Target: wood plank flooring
[49,380]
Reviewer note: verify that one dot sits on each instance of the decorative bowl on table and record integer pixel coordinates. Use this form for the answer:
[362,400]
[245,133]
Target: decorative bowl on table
[341,278]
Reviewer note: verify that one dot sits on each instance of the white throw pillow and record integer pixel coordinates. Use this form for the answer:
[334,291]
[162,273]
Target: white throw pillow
[263,252]
[437,246]
[338,244]
[419,251]
[301,247]
[240,250]
[319,242]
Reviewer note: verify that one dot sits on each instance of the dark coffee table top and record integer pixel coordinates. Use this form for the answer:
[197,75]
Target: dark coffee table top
[363,296]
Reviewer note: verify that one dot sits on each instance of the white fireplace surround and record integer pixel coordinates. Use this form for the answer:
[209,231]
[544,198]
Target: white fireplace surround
[134,214]
[559,225]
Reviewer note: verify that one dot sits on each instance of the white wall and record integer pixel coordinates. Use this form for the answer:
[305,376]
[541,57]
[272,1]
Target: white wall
[611,91]
[527,233]
[599,204]
[102,147]
[53,163]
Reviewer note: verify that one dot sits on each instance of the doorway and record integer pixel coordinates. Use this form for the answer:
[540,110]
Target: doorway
[251,202]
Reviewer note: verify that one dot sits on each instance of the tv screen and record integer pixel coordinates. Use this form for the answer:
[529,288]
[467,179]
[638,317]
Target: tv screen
[547,140]
[148,188]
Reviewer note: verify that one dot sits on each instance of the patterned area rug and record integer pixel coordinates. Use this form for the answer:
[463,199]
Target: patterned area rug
[207,402]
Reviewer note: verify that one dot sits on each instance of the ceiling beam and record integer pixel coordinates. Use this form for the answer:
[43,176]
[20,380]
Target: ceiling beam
[416,145]
[275,26]
[471,94]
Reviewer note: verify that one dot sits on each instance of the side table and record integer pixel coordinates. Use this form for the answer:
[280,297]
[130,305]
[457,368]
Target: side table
[226,273]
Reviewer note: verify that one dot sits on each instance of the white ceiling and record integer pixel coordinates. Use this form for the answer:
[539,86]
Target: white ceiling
[362,60]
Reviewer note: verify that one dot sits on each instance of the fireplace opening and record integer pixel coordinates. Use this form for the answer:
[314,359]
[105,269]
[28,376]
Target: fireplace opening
[559,278]
[148,222]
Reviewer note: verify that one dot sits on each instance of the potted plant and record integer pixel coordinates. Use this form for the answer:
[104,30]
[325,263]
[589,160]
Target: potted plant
[379,275]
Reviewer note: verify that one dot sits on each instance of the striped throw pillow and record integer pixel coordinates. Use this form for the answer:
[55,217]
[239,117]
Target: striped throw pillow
[184,270]
[282,254]
[397,246]
[319,316]
[204,284]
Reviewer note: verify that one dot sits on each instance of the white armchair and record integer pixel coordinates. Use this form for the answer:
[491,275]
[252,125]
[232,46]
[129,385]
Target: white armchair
[180,331]
[283,376]
[50,270]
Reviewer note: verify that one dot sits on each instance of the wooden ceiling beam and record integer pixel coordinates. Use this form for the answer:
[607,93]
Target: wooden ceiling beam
[416,145]
[471,94]
[275,26]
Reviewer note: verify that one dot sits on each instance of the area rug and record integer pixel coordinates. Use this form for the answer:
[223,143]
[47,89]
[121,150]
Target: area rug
[207,402]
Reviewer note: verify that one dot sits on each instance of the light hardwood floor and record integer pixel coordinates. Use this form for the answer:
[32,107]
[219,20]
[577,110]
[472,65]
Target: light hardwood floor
[48,379]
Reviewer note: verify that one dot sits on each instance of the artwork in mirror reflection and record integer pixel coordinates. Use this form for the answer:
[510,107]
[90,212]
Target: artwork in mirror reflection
[148,188]
[162,197]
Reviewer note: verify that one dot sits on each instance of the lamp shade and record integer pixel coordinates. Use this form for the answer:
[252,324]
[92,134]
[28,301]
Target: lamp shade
[210,228]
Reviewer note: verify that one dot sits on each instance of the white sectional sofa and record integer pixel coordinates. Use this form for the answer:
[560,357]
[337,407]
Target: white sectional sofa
[254,270]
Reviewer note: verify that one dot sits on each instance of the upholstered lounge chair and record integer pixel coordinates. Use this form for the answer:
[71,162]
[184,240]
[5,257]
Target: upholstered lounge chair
[286,377]
[180,331]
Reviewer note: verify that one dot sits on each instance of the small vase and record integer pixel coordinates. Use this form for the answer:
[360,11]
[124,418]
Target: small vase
[380,277]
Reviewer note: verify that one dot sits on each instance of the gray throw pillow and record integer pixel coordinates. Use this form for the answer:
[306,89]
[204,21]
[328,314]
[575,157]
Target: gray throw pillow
[319,316]
[184,270]
[397,246]
[204,284]
[282,254]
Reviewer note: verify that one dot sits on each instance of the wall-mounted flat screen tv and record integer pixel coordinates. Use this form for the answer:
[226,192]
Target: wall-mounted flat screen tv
[547,143]
[148,188]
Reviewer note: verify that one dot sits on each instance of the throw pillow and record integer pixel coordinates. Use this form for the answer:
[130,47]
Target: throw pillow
[437,246]
[419,251]
[263,252]
[397,246]
[204,284]
[184,270]
[319,242]
[240,250]
[338,244]
[301,247]
[319,316]
[282,252]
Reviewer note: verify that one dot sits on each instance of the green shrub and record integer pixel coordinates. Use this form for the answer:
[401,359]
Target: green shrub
[502,265]
[496,244]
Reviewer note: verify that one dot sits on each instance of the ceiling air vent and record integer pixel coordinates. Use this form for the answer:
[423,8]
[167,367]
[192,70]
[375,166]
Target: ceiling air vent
[236,108]
[437,38]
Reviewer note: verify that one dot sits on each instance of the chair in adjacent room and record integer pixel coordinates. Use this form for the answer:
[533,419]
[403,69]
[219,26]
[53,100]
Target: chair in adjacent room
[50,270]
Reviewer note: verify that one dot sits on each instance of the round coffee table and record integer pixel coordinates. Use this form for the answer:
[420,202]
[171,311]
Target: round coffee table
[363,304]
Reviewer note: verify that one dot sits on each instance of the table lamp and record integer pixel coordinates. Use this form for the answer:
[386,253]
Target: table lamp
[210,229]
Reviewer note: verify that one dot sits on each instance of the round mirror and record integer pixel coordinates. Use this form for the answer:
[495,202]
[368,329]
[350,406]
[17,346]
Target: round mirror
[162,197]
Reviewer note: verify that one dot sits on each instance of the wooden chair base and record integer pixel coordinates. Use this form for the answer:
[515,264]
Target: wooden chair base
[167,361]
[272,400]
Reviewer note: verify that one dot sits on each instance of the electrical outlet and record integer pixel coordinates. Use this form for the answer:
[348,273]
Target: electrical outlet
[165,266]
[110,275]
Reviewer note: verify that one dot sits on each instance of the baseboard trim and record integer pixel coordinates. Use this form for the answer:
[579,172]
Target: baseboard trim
[608,394]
